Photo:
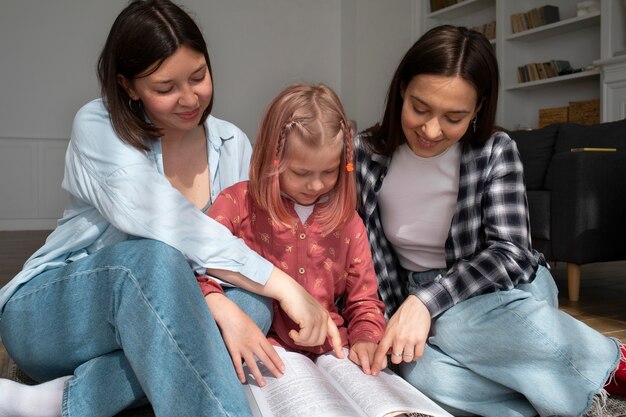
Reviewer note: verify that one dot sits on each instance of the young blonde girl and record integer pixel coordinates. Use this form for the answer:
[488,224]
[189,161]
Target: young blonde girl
[298,211]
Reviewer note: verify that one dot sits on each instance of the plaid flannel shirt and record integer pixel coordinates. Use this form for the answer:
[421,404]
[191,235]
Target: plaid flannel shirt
[488,246]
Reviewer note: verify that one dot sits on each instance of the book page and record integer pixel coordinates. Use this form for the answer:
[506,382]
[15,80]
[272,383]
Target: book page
[302,391]
[384,395]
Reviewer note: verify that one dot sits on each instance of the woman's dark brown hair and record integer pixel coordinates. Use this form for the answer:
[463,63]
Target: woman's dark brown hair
[448,51]
[144,34]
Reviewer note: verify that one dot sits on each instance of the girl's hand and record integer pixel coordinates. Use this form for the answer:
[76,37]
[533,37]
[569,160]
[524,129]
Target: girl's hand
[313,320]
[243,339]
[362,353]
[405,335]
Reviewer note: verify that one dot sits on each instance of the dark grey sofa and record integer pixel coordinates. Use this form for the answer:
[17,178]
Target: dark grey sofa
[577,200]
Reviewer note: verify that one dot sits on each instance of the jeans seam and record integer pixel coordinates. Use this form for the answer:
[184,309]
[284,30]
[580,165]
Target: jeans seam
[146,301]
[65,278]
[558,351]
[172,338]
[75,379]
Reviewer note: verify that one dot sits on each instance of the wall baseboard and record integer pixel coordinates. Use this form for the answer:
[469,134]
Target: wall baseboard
[27,224]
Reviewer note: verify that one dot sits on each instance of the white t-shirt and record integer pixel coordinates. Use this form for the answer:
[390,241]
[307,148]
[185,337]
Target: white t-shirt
[417,201]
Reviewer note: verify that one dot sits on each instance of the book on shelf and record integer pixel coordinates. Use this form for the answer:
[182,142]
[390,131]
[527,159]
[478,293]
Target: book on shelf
[441,4]
[518,23]
[549,69]
[535,17]
[528,20]
[532,72]
[332,387]
[488,29]
[522,74]
[541,70]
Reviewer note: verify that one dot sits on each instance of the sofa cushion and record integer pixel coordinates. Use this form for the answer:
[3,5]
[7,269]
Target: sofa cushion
[603,135]
[536,148]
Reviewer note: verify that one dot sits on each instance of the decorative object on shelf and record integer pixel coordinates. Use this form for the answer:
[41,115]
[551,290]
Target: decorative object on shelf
[586,112]
[587,7]
[561,66]
[539,16]
[553,115]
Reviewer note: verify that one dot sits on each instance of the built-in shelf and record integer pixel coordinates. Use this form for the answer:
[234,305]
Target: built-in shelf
[617,59]
[561,79]
[595,38]
[557,28]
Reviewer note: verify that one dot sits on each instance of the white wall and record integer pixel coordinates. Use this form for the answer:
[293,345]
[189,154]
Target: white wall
[376,34]
[257,47]
[48,53]
[49,50]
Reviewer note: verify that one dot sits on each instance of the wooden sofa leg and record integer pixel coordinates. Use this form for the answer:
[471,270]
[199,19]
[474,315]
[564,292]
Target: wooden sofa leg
[573,281]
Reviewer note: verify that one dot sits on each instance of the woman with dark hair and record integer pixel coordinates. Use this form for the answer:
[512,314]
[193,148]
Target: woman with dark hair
[109,312]
[474,321]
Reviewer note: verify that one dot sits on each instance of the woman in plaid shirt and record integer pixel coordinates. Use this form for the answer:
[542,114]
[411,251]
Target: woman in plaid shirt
[473,315]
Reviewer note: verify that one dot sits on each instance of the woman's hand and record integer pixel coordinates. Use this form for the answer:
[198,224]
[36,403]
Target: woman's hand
[405,335]
[313,319]
[243,339]
[362,353]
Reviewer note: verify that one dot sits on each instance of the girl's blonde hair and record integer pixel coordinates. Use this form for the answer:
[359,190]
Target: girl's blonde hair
[316,115]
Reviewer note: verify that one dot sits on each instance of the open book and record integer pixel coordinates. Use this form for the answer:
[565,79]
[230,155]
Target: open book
[332,387]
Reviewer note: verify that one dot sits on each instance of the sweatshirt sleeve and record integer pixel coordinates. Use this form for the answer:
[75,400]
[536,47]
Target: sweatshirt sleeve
[124,185]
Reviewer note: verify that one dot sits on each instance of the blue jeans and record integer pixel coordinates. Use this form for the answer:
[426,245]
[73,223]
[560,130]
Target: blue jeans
[512,353]
[129,322]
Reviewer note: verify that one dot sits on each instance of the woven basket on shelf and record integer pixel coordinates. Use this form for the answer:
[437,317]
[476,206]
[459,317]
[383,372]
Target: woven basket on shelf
[553,115]
[585,112]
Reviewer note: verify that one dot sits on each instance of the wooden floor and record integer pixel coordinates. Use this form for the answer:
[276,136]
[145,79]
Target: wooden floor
[602,302]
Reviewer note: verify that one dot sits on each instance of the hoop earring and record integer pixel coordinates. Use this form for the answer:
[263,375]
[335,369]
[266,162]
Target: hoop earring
[130,104]
[474,123]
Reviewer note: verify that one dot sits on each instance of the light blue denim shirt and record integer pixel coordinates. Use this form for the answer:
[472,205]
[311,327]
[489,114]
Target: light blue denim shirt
[118,193]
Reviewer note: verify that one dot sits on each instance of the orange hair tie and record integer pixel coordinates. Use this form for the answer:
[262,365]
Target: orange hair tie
[349,167]
[276,162]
